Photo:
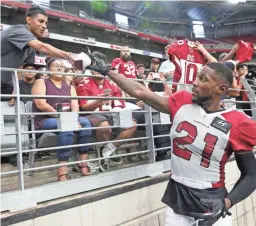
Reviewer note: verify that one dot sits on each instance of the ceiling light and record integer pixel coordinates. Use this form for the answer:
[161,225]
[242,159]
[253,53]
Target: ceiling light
[236,1]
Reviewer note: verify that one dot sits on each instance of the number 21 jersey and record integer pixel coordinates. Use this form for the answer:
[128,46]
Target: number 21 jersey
[203,142]
[187,61]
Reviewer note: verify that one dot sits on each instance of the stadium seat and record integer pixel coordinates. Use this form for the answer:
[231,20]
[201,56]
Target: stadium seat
[8,125]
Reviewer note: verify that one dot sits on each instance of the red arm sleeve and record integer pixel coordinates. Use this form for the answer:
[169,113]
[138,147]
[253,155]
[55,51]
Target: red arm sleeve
[82,90]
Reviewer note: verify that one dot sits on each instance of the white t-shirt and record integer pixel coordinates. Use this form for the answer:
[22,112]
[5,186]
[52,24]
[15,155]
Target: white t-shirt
[167,66]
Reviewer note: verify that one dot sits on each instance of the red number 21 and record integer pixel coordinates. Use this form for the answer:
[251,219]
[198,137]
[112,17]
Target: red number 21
[210,142]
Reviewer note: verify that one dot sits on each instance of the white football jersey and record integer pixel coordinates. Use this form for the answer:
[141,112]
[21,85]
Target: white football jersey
[203,142]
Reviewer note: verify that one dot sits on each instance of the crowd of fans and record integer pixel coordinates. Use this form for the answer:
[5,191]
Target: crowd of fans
[67,85]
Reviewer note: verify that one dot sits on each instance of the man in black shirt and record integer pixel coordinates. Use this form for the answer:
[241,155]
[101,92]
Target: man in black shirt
[26,83]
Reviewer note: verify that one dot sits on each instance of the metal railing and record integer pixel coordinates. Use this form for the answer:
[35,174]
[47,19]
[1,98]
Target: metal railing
[26,197]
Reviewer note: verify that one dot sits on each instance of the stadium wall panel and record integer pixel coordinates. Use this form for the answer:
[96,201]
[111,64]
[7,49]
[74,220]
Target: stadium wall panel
[136,203]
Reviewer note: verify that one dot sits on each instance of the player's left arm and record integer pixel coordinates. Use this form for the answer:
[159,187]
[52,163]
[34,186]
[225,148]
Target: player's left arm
[243,145]
[209,58]
[246,184]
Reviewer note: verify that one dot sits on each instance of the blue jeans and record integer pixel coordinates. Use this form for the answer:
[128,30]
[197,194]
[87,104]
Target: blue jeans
[66,138]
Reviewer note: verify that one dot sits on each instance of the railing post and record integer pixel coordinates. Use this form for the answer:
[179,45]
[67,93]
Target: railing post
[150,133]
[15,80]
[251,96]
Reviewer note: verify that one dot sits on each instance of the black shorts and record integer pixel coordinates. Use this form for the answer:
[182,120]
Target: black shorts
[184,200]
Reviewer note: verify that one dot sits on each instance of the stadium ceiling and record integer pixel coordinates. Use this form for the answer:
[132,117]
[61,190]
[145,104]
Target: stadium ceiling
[185,11]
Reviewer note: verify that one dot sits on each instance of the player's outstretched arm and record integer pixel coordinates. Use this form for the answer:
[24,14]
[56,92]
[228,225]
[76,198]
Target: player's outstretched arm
[247,182]
[140,92]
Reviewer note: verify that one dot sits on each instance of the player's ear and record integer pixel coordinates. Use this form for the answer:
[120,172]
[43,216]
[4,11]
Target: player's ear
[222,88]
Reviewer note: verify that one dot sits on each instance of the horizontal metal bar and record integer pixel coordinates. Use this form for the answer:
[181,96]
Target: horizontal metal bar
[82,97]
[82,161]
[9,173]
[83,145]
[247,109]
[165,135]
[82,75]
[238,102]
[164,148]
[6,149]
[84,113]
[156,123]
[59,130]
[8,153]
[69,97]
[96,76]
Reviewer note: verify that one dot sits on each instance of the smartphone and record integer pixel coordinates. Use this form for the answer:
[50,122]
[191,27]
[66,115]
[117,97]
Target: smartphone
[62,107]
[107,92]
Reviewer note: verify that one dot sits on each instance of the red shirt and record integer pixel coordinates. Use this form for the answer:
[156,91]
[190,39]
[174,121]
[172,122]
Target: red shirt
[244,52]
[128,69]
[203,142]
[88,87]
[187,61]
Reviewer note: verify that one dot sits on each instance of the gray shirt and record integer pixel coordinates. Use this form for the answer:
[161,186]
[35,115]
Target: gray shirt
[15,49]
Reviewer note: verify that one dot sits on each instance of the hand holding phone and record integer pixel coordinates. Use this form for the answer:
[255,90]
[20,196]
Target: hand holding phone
[106,92]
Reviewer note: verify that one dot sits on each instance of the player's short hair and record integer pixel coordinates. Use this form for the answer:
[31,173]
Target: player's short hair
[222,71]
[140,65]
[34,10]
[240,65]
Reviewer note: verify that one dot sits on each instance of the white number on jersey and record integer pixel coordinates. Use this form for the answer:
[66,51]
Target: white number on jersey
[210,142]
[189,71]
[129,70]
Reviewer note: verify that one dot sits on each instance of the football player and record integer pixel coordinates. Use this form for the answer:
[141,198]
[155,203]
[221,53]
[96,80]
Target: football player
[201,146]
[124,65]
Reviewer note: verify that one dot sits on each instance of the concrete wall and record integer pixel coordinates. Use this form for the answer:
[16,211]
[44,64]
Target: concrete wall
[141,207]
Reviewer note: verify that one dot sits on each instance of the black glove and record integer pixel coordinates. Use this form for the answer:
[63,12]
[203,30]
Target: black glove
[98,65]
[217,209]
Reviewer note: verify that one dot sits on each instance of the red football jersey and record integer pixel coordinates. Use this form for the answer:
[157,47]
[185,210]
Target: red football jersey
[203,142]
[88,87]
[244,52]
[187,61]
[128,69]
